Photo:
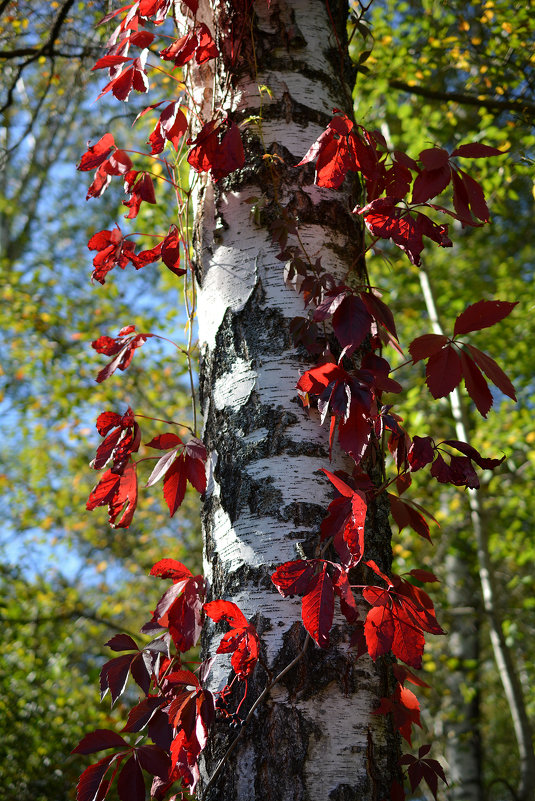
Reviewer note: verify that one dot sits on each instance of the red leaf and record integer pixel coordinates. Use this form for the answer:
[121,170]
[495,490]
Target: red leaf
[122,642]
[174,485]
[421,452]
[318,608]
[122,347]
[206,47]
[430,183]
[443,372]
[403,674]
[476,150]
[130,784]
[434,158]
[409,641]
[170,568]
[181,50]
[114,676]
[97,153]
[91,783]
[171,251]
[475,384]
[405,710]
[425,576]
[379,631]
[241,640]
[419,768]
[142,39]
[157,9]
[426,345]
[405,227]
[164,441]
[482,314]
[226,610]
[379,311]
[124,502]
[245,655]
[405,514]
[472,453]
[99,740]
[162,467]
[142,190]
[492,371]
[103,493]
[113,250]
[195,455]
[293,578]
[154,760]
[215,151]
[184,616]
[134,77]
[342,588]
[332,152]
[171,126]
[475,196]
[119,492]
[340,485]
[106,421]
[140,715]
[110,61]
[354,530]
[351,323]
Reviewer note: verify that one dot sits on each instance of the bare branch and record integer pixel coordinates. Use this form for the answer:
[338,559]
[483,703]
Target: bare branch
[515,104]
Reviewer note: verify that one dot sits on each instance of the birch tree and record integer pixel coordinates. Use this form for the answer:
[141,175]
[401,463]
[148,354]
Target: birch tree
[317,736]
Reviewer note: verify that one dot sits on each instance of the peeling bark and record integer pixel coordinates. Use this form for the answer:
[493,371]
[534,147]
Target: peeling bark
[316,738]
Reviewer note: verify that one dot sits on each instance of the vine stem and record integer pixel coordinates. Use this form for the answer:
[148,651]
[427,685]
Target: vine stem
[265,692]
[159,420]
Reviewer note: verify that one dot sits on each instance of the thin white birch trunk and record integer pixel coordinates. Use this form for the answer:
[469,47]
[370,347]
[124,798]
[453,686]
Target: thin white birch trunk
[316,738]
[502,653]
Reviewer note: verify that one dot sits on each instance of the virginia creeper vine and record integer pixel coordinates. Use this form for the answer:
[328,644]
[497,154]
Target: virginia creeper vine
[347,327]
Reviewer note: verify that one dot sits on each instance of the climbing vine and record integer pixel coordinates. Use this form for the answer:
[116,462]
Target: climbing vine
[348,329]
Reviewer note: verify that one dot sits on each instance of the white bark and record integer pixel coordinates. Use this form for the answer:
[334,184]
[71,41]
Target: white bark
[266,496]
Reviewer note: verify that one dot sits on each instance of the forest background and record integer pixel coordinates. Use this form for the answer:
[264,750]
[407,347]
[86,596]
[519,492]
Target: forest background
[428,72]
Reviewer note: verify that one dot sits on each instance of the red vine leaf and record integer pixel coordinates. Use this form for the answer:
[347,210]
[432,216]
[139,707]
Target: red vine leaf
[92,786]
[99,740]
[241,640]
[174,484]
[483,314]
[218,148]
[130,784]
[318,608]
[420,768]
[443,371]
[119,493]
[293,578]
[405,710]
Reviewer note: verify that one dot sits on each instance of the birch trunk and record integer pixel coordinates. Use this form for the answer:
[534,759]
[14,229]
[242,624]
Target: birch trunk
[463,739]
[315,739]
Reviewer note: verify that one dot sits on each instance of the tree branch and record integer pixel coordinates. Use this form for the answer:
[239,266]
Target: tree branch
[515,104]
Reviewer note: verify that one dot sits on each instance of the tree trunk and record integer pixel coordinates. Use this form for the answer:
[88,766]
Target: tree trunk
[463,739]
[315,738]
